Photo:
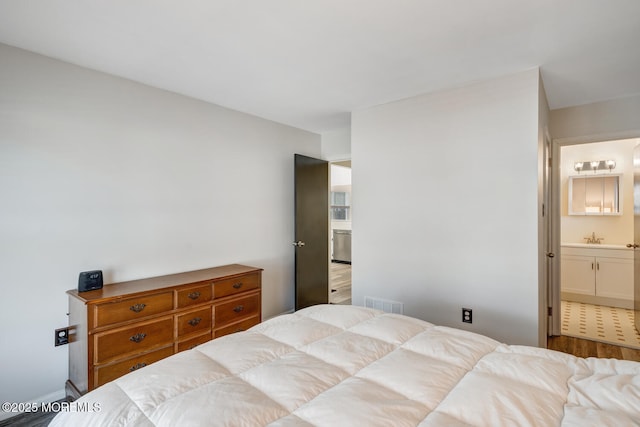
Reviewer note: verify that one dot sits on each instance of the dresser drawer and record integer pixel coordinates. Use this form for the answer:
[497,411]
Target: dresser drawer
[193,321]
[132,308]
[195,295]
[236,327]
[227,287]
[237,309]
[127,325]
[107,373]
[191,343]
[132,339]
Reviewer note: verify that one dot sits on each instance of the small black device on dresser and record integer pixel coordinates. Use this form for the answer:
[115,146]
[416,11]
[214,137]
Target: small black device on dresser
[90,280]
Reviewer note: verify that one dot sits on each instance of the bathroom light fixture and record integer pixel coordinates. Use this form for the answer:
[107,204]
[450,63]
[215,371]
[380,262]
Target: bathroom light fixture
[595,165]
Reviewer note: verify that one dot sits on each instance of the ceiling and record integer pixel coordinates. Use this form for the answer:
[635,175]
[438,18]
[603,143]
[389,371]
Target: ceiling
[309,63]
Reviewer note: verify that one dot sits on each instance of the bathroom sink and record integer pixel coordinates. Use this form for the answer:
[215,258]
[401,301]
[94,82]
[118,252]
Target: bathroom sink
[594,246]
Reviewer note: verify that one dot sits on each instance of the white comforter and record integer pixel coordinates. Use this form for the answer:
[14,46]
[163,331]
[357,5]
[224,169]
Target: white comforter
[350,366]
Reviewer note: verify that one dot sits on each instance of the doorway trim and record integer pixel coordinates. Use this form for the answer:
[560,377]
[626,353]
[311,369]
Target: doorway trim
[555,190]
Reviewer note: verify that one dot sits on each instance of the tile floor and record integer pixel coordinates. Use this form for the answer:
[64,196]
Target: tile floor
[599,323]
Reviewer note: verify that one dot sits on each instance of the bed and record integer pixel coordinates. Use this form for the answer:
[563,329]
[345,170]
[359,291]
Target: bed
[334,365]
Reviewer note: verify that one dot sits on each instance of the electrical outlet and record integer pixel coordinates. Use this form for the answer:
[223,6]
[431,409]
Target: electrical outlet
[62,336]
[467,315]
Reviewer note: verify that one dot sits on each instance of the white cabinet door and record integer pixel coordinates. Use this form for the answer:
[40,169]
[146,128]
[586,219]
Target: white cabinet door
[577,274]
[614,278]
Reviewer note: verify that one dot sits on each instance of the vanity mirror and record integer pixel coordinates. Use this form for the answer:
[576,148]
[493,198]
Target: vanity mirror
[594,195]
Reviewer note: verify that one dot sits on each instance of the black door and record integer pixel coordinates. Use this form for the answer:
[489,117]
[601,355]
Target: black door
[311,231]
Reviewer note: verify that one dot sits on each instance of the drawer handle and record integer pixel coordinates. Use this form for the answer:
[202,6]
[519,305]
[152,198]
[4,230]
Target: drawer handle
[238,330]
[194,295]
[195,321]
[137,337]
[137,307]
[238,308]
[237,285]
[137,366]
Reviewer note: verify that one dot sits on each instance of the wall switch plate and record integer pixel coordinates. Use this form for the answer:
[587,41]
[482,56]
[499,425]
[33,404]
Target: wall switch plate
[62,336]
[467,315]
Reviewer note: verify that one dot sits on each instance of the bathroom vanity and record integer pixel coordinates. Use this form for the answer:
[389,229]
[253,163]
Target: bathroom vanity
[597,274]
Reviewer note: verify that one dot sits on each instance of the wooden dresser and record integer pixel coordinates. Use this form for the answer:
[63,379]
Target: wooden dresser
[126,326]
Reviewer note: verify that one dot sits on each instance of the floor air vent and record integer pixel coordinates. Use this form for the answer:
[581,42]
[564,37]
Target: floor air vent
[385,305]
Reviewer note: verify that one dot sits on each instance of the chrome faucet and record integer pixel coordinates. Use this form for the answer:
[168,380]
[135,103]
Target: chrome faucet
[594,239]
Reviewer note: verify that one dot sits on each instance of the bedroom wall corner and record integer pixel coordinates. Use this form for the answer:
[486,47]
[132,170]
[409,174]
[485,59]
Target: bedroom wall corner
[336,144]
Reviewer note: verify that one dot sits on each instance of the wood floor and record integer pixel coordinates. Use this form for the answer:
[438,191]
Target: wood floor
[340,283]
[586,348]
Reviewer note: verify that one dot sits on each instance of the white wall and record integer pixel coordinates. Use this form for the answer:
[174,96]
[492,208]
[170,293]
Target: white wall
[447,206]
[336,144]
[98,172]
[615,229]
[616,119]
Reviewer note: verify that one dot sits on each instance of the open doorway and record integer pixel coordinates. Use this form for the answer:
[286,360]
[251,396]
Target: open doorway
[596,225]
[340,233]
